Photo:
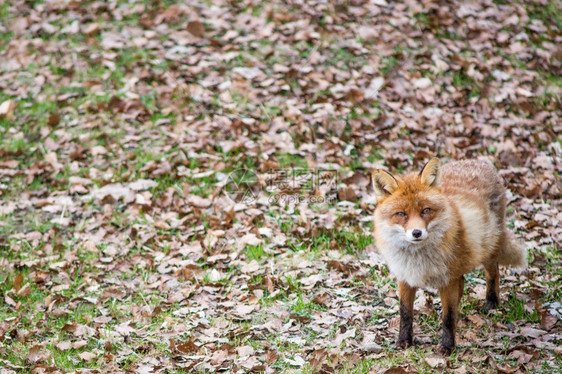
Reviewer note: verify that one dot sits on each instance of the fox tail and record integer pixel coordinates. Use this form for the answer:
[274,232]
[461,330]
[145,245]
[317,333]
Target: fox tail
[513,253]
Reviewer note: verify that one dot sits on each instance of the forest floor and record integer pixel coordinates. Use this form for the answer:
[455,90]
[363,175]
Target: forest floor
[184,186]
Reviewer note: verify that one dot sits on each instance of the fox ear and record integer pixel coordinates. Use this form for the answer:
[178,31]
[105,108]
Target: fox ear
[384,183]
[431,173]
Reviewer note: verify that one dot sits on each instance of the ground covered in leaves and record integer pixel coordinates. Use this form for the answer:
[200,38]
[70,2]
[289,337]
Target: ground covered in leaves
[127,129]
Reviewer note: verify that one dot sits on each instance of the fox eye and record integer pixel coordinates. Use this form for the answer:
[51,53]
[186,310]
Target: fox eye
[401,214]
[426,211]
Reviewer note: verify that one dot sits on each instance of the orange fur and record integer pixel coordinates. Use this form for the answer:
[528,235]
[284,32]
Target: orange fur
[435,226]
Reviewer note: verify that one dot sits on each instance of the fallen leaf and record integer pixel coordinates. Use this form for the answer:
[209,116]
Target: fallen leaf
[250,267]
[532,332]
[142,184]
[8,300]
[24,291]
[18,280]
[7,109]
[297,360]
[435,361]
[187,347]
[396,370]
[271,357]
[79,344]
[11,164]
[91,29]
[477,320]
[54,119]
[243,310]
[36,354]
[63,346]
[87,356]
[548,320]
[347,194]
[198,201]
[371,348]
[214,275]
[196,28]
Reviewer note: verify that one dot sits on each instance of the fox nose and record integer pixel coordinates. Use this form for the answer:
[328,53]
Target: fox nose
[416,233]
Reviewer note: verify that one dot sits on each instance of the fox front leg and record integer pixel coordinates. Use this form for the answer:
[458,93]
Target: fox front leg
[450,300]
[407,295]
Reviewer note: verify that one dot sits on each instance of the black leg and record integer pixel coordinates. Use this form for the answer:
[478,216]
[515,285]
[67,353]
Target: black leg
[450,300]
[407,296]
[448,340]
[405,337]
[492,287]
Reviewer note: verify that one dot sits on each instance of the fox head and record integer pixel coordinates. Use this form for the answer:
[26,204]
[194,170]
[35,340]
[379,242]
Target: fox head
[411,209]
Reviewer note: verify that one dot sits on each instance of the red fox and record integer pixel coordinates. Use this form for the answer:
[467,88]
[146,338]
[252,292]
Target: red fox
[434,227]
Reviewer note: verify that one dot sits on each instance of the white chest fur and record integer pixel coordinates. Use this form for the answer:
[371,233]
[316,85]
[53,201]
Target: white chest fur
[421,265]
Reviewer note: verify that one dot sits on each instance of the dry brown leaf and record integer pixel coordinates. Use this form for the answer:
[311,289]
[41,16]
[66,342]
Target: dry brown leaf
[196,28]
[198,201]
[187,347]
[9,301]
[271,357]
[70,327]
[250,267]
[18,280]
[531,332]
[505,368]
[347,194]
[24,291]
[435,361]
[11,164]
[63,346]
[37,354]
[322,299]
[339,266]
[91,29]
[113,292]
[7,109]
[219,356]
[268,283]
[189,272]
[54,119]
[397,370]
[548,320]
[79,344]
[477,320]
[243,310]
[87,356]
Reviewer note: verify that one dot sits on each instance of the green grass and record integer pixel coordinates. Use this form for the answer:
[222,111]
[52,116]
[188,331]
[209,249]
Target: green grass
[352,242]
[389,63]
[255,252]
[553,291]
[303,307]
[550,12]
[346,242]
[287,160]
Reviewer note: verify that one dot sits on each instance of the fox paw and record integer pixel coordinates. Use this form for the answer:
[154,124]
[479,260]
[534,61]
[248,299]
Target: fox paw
[490,305]
[403,343]
[446,350]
